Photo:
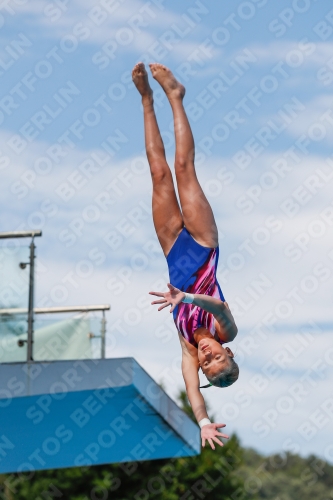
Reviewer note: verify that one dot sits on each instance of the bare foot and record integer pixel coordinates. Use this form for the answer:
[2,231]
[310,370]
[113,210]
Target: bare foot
[140,79]
[172,88]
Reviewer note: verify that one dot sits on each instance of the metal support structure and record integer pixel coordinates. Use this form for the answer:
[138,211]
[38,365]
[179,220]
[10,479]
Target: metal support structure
[31,302]
[102,335]
[103,331]
[63,309]
[31,263]
[52,310]
[20,234]
[45,310]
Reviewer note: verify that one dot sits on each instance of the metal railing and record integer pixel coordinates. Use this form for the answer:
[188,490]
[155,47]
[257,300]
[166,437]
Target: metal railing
[31,311]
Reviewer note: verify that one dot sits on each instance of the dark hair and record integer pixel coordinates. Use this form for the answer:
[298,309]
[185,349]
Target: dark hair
[226,377]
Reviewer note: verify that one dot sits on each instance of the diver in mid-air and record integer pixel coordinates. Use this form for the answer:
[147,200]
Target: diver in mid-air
[189,239]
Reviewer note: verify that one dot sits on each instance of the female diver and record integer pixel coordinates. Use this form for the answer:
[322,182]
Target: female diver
[189,240]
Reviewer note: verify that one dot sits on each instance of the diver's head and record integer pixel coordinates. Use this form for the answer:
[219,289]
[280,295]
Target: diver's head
[217,363]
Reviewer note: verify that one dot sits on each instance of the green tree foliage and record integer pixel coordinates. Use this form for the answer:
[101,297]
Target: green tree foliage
[194,477]
[286,477]
[228,473]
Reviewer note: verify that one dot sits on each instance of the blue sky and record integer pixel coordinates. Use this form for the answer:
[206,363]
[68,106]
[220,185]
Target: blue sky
[258,79]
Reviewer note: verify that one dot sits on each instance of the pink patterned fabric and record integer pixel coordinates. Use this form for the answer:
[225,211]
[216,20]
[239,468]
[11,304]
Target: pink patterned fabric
[190,317]
[192,269]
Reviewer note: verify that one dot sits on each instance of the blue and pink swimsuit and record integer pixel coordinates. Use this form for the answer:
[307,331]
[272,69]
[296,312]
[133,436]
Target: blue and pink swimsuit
[192,269]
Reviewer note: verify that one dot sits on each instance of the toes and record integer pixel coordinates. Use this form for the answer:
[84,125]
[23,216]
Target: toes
[135,69]
[139,65]
[139,69]
[157,66]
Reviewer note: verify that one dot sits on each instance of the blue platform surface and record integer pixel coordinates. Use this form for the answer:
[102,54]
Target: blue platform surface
[87,412]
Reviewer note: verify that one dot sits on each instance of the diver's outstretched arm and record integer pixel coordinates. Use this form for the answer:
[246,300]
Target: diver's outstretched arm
[219,309]
[209,432]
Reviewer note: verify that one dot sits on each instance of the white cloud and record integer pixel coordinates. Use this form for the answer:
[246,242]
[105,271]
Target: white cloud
[308,53]
[131,24]
[316,121]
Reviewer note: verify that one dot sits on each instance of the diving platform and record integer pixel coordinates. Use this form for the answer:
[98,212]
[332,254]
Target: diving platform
[87,412]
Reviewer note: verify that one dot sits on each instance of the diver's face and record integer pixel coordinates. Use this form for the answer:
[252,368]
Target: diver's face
[213,358]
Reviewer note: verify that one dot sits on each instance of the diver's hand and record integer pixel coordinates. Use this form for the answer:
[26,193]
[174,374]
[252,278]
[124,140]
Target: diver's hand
[171,298]
[209,432]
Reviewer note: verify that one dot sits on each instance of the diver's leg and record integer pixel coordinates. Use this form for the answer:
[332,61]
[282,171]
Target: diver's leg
[167,216]
[197,213]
